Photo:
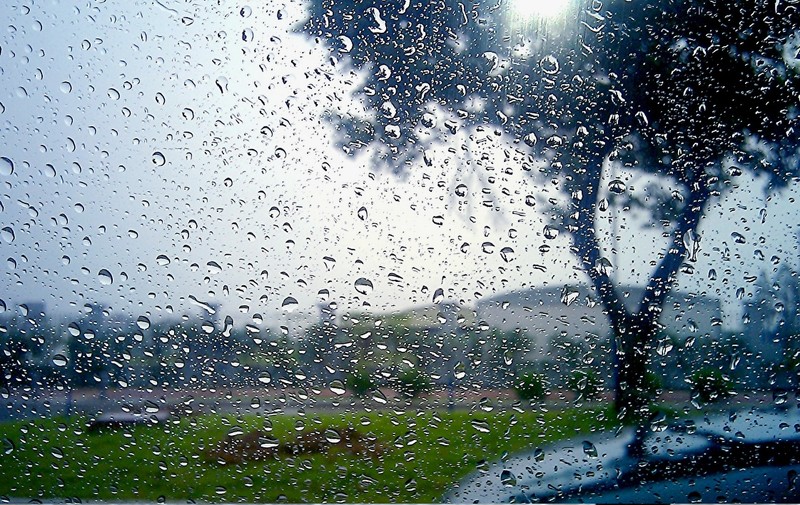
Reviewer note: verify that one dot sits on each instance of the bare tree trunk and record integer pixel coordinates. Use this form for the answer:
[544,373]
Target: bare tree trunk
[633,332]
[634,391]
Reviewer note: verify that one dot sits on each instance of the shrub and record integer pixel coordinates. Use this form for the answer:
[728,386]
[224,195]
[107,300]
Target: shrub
[711,385]
[360,383]
[530,386]
[586,384]
[412,383]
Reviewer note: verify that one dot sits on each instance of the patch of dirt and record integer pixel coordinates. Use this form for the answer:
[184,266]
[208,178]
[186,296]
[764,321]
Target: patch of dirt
[260,446]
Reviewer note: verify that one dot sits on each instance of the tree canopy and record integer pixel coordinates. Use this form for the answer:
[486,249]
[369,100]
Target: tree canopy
[694,91]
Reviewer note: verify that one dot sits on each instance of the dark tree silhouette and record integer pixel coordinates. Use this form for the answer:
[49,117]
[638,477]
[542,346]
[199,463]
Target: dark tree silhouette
[693,91]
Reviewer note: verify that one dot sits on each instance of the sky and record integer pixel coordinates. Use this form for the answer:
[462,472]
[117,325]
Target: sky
[157,154]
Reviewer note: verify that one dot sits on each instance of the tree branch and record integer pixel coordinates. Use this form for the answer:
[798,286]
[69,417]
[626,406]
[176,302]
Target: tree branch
[660,283]
[584,239]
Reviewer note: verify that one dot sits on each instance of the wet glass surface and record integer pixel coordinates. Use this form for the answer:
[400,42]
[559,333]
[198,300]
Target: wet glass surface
[399,251]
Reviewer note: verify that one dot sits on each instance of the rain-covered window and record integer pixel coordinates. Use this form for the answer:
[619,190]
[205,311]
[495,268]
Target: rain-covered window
[399,251]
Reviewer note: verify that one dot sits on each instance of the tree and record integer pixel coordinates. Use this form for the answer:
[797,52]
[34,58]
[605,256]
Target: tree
[710,385]
[586,384]
[412,383]
[691,91]
[530,386]
[773,318]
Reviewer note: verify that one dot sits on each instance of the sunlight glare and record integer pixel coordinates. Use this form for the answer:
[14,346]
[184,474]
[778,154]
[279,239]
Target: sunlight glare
[527,9]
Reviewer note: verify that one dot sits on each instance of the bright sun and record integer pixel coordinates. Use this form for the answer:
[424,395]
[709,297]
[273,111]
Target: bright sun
[527,9]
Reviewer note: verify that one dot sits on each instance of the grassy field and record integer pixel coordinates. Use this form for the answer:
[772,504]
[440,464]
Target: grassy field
[422,455]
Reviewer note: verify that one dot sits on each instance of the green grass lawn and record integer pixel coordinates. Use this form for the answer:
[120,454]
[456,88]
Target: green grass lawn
[424,454]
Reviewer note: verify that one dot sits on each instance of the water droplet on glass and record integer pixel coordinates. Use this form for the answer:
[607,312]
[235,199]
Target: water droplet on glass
[378,397]
[8,444]
[507,254]
[162,260]
[264,378]
[487,247]
[530,139]
[247,35]
[362,214]
[363,286]
[8,234]
[549,65]
[60,360]
[345,44]
[438,220]
[589,449]
[332,436]
[481,425]
[6,166]
[158,159]
[143,322]
[245,11]
[604,266]
[105,278]
[616,186]
[289,304]
[508,479]
[438,295]
[569,295]
[550,232]
[222,84]
[461,190]
[380,24]
[337,387]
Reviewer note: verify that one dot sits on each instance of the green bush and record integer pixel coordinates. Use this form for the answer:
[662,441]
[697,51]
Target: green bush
[710,385]
[586,384]
[411,383]
[360,383]
[530,386]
